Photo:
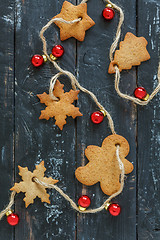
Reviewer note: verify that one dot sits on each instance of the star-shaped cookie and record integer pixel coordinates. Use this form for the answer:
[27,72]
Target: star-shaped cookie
[132,51]
[31,188]
[69,12]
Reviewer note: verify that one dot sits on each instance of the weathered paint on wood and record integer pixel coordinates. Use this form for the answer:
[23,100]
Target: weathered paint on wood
[6,109]
[148,127]
[35,140]
[38,140]
[92,67]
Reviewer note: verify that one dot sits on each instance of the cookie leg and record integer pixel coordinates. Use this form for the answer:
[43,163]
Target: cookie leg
[110,186]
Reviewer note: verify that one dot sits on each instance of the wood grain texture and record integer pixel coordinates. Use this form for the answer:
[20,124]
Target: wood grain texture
[93,62]
[36,139]
[6,109]
[148,127]
[63,151]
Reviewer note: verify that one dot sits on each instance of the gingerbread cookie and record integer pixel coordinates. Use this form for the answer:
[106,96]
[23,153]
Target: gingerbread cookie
[62,108]
[103,165]
[31,188]
[132,51]
[69,12]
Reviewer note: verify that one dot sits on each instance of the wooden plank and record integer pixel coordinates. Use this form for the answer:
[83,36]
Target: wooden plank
[92,73]
[40,140]
[148,125]
[6,109]
[36,139]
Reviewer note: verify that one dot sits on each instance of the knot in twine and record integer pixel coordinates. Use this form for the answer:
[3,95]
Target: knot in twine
[65,196]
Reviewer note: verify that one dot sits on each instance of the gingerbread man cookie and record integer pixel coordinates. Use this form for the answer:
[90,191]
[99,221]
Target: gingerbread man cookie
[103,165]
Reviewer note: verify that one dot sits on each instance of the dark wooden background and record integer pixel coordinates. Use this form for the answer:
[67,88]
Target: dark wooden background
[25,140]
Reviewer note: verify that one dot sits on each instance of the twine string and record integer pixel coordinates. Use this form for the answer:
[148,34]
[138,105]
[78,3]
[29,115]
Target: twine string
[118,32]
[112,50]
[117,73]
[10,204]
[74,205]
[133,99]
[73,79]
[49,24]
[74,83]
[84,1]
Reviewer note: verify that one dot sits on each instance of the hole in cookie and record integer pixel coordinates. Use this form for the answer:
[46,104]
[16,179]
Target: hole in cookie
[115,65]
[117,144]
[33,179]
[57,100]
[80,18]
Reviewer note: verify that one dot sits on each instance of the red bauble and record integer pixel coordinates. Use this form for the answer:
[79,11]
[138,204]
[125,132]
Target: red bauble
[97,117]
[108,13]
[37,60]
[114,209]
[13,219]
[140,92]
[84,201]
[57,51]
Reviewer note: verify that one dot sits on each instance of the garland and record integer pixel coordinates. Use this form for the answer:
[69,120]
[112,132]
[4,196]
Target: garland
[40,182]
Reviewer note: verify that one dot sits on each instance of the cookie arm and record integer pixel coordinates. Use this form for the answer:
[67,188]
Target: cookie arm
[87,175]
[128,166]
[93,152]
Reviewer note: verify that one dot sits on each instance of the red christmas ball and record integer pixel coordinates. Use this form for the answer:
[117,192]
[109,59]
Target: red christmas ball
[114,209]
[13,219]
[108,13]
[84,201]
[57,51]
[97,117]
[140,92]
[37,60]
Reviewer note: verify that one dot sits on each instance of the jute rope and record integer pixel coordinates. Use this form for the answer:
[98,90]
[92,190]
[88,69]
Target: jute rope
[133,99]
[72,203]
[11,202]
[118,33]
[84,1]
[73,79]
[75,82]
[117,74]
